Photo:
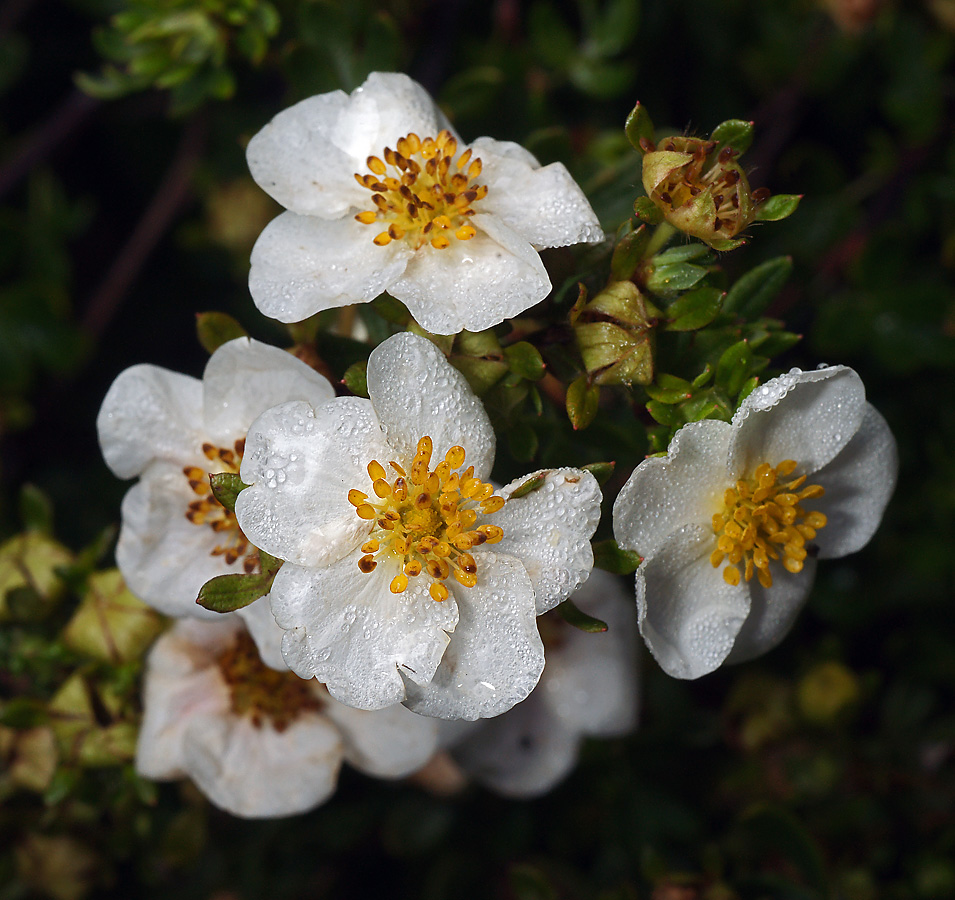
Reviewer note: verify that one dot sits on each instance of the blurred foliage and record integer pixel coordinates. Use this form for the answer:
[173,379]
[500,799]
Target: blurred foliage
[824,770]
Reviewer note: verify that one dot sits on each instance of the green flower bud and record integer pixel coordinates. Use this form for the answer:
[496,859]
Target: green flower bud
[28,564]
[78,727]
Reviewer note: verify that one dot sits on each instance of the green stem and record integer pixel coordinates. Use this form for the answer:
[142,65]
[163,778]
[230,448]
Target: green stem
[659,240]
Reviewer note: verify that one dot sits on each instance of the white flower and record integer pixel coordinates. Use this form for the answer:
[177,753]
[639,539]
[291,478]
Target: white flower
[259,743]
[406,578]
[731,522]
[382,196]
[174,431]
[589,688]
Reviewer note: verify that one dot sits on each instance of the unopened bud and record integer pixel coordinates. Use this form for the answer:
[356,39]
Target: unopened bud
[28,564]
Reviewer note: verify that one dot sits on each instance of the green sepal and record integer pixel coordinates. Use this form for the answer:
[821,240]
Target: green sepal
[582,401]
[612,558]
[779,206]
[356,379]
[639,125]
[227,593]
[600,470]
[628,252]
[733,367]
[573,615]
[534,483]
[226,486]
[755,290]
[727,244]
[525,360]
[672,279]
[694,310]
[217,328]
[735,133]
[644,208]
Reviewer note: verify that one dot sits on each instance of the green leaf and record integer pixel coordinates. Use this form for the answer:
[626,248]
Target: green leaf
[356,379]
[582,402]
[525,360]
[600,470]
[665,414]
[777,207]
[217,328]
[644,208]
[686,253]
[226,486]
[227,593]
[755,290]
[573,615]
[534,483]
[612,558]
[628,252]
[611,32]
[695,309]
[639,125]
[735,133]
[36,510]
[733,368]
[668,395]
[670,280]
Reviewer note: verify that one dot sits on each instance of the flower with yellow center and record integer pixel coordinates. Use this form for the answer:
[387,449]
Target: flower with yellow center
[407,576]
[382,195]
[174,431]
[259,742]
[731,522]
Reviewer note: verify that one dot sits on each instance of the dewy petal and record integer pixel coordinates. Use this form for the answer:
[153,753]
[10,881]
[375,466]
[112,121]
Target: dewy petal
[384,743]
[549,531]
[495,657]
[302,265]
[858,483]
[165,559]
[772,611]
[543,205]
[348,630]
[805,416]
[150,413]
[265,631]
[294,159]
[244,378]
[260,772]
[473,284]
[684,488]
[689,616]
[301,462]
[417,392]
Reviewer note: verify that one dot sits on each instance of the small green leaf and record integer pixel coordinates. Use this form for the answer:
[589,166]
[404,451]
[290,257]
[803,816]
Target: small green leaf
[665,414]
[217,328]
[732,370]
[356,379]
[703,377]
[612,558]
[644,208]
[525,360]
[628,252]
[227,593]
[755,290]
[639,125]
[695,309]
[226,486]
[582,401]
[600,470]
[670,280]
[391,310]
[36,510]
[735,133]
[534,483]
[686,253]
[667,395]
[573,615]
[777,207]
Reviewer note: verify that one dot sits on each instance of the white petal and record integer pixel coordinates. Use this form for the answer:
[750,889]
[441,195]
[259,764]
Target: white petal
[473,284]
[858,483]
[243,378]
[684,488]
[301,463]
[543,205]
[495,656]
[302,265]
[294,159]
[772,611]
[689,616]
[265,631]
[150,413]
[258,772]
[417,392]
[590,680]
[348,630]
[805,416]
[522,754]
[165,559]
[549,531]
[385,743]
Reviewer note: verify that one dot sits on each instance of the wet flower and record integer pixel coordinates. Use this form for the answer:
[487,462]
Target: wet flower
[174,431]
[258,742]
[731,522]
[589,688]
[382,195]
[408,576]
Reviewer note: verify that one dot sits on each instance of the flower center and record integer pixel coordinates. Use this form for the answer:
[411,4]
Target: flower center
[763,521]
[263,693]
[426,520]
[420,200]
[206,510]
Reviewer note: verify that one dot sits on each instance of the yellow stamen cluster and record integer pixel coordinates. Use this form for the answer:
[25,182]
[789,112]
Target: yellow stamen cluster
[263,693]
[206,510]
[762,520]
[428,196]
[426,519]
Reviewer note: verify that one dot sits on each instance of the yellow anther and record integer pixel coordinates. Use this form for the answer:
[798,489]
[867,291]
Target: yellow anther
[455,457]
[367,217]
[438,591]
[367,564]
[474,170]
[492,505]
[399,584]
[468,579]
[793,565]
[432,484]
[442,549]
[422,501]
[493,533]
[425,448]
[381,488]
[396,232]
[376,470]
[816,520]
[413,568]
[382,240]
[465,232]
[370,546]
[440,242]
[731,575]
[366,511]
[376,165]
[400,489]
